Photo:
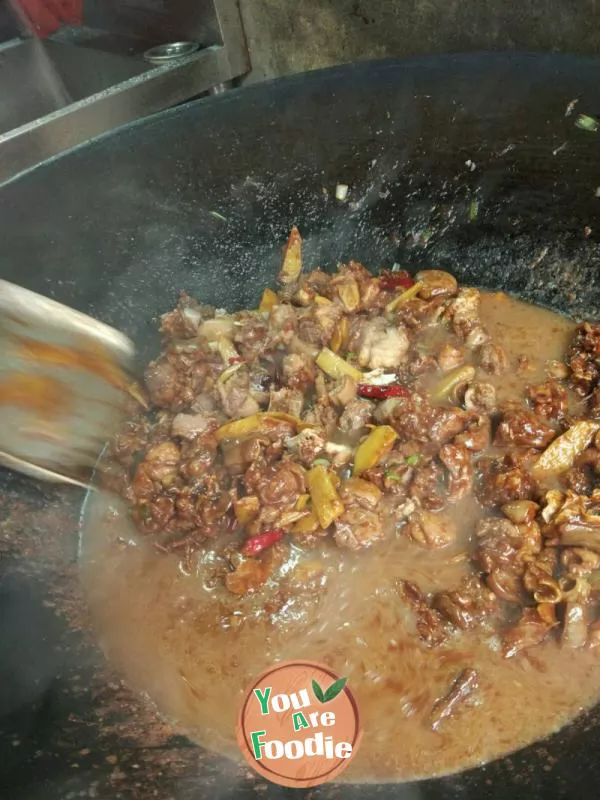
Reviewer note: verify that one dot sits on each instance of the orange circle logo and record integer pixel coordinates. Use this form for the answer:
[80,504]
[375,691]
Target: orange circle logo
[299,724]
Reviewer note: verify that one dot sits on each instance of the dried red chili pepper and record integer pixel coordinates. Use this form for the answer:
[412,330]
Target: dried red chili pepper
[381,392]
[396,280]
[256,544]
[234,360]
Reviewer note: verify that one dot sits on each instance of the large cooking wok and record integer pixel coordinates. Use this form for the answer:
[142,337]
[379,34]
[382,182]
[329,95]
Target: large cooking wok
[117,228]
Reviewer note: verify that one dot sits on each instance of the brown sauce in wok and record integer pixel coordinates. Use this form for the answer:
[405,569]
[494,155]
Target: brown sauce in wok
[185,643]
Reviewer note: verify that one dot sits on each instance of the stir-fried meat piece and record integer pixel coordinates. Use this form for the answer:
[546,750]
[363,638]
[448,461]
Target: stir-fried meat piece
[184,320]
[344,391]
[498,546]
[457,460]
[130,440]
[161,382]
[356,415]
[323,417]
[289,401]
[188,426]
[382,346]
[235,395]
[427,486]
[578,480]
[417,313]
[464,312]
[250,574]
[450,357]
[282,322]
[158,470]
[252,335]
[476,436]
[539,574]
[480,397]
[415,419]
[522,428]
[436,283]
[279,484]
[431,625]
[548,400]
[431,530]
[298,371]
[584,358]
[492,359]
[317,324]
[307,445]
[463,687]
[579,561]
[468,606]
[529,631]
[359,492]
[358,528]
[593,405]
[503,480]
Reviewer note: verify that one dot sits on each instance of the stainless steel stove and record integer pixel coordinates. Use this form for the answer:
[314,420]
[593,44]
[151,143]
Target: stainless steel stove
[63,81]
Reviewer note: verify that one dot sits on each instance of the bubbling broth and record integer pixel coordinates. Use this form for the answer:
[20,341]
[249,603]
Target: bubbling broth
[388,612]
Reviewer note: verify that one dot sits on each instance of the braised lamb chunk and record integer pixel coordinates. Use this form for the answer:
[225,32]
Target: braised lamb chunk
[450,356]
[298,371]
[415,418]
[382,346]
[432,628]
[235,396]
[290,401]
[523,428]
[584,358]
[436,283]
[464,312]
[183,322]
[356,414]
[252,335]
[477,434]
[468,606]
[161,382]
[358,528]
[493,359]
[579,561]
[465,685]
[504,479]
[548,400]
[431,530]
[532,628]
[480,397]
[498,547]
[188,426]
[457,460]
[427,486]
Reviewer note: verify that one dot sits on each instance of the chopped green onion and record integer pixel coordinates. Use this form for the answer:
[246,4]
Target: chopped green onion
[324,462]
[216,215]
[392,476]
[587,123]
[413,460]
[473,210]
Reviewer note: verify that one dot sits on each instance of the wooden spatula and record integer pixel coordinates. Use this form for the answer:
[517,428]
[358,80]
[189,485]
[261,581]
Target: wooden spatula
[64,382]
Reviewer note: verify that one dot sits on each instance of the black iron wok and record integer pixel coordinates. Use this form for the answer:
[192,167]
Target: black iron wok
[118,227]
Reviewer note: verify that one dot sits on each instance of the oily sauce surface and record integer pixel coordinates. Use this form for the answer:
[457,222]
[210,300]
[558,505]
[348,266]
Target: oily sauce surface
[193,648]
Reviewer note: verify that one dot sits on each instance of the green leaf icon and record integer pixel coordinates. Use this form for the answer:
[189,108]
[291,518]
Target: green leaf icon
[335,689]
[318,691]
[331,693]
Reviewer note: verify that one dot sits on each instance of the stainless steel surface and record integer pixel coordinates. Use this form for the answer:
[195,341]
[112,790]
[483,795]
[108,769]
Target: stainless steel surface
[63,386]
[164,53]
[106,81]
